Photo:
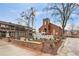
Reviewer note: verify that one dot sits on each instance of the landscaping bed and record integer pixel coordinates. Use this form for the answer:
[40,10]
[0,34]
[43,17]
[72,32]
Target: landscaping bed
[29,44]
[45,46]
[48,47]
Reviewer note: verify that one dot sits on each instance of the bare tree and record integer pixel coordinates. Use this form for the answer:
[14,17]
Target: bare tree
[62,12]
[32,16]
[29,16]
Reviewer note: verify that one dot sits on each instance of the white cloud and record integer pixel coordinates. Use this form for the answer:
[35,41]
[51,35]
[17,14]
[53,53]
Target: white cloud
[67,27]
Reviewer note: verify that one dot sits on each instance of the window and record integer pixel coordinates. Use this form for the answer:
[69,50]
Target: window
[45,30]
[53,31]
[56,33]
[45,22]
[2,25]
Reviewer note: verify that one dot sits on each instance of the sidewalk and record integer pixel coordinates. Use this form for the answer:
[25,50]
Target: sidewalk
[70,47]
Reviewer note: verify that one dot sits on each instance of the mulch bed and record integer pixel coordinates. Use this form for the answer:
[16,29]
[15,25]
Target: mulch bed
[49,48]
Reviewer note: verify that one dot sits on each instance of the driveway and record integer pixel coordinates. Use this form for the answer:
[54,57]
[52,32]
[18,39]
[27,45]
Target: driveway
[70,47]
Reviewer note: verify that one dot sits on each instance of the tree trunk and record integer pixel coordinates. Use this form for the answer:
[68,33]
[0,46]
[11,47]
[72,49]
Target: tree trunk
[63,32]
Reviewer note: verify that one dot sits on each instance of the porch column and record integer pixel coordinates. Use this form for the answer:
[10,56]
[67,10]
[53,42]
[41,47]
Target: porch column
[7,34]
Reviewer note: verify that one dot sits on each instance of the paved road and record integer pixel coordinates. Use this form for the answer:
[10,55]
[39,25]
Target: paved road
[71,47]
[7,49]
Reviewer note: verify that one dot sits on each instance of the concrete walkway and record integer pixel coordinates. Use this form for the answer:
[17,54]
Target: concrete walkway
[7,49]
[70,47]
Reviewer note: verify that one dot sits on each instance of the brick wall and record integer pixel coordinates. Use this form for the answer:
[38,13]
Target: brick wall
[51,29]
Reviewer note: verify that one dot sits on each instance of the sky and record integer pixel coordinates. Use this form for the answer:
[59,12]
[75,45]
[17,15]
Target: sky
[9,12]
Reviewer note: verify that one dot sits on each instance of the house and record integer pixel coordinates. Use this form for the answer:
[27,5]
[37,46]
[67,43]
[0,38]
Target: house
[8,29]
[50,29]
[74,33]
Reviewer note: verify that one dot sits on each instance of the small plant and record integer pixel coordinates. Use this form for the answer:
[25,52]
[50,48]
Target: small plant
[63,37]
[53,39]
